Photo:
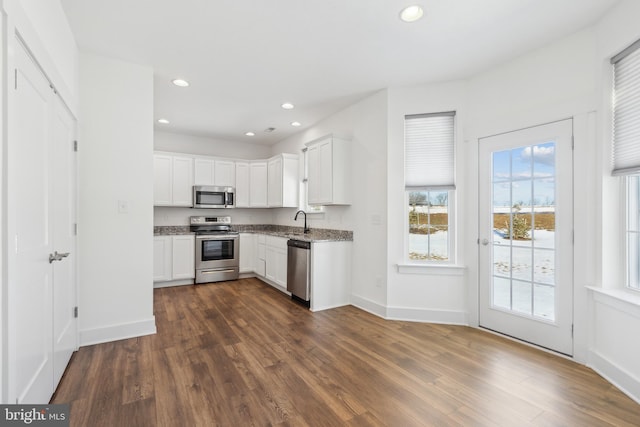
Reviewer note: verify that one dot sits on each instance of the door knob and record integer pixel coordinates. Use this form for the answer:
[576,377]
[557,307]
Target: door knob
[57,256]
[485,242]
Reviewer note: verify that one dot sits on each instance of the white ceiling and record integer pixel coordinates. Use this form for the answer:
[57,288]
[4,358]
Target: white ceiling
[244,58]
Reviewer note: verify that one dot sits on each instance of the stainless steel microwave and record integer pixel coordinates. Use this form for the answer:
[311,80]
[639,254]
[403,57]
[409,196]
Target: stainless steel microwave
[205,196]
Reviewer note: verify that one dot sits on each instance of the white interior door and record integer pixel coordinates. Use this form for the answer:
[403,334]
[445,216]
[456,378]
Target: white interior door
[41,217]
[30,292]
[526,231]
[63,219]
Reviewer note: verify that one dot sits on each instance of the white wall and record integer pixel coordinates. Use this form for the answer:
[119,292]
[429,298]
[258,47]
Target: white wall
[552,83]
[4,333]
[116,249]
[43,25]
[165,215]
[440,295]
[365,124]
[182,143]
[52,27]
[615,313]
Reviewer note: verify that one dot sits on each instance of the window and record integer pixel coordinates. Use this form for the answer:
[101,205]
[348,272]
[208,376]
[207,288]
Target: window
[626,149]
[429,186]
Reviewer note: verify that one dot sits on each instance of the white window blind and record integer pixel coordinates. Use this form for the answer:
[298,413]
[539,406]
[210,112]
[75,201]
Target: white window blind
[626,111]
[429,151]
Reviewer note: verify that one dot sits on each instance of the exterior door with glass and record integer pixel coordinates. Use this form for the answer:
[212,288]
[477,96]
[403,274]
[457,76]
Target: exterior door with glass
[526,233]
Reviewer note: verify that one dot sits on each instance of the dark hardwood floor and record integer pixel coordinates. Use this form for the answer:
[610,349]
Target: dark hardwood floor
[242,354]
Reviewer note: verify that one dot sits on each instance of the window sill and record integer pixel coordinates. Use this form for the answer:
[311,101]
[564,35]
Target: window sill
[622,299]
[432,269]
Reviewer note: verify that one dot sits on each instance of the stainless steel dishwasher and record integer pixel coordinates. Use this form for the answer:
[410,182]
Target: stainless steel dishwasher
[299,269]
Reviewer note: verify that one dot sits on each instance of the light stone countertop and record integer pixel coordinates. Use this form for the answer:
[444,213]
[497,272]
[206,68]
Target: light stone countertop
[314,235]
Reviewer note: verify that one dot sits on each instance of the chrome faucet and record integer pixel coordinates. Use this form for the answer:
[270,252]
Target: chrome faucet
[306,229]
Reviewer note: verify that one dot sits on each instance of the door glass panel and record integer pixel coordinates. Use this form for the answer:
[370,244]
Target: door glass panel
[522,293]
[521,264]
[543,301]
[524,230]
[544,262]
[502,262]
[502,166]
[502,293]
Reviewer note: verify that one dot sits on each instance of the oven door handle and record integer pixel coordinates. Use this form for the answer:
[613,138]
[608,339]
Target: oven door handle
[213,237]
[217,271]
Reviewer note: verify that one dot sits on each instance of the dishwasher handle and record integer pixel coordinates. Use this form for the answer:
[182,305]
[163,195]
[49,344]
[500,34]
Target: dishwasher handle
[299,244]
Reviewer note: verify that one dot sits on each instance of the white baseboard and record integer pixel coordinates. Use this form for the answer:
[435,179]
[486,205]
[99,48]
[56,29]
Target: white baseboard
[449,317]
[616,375]
[117,332]
[369,306]
[327,307]
[181,282]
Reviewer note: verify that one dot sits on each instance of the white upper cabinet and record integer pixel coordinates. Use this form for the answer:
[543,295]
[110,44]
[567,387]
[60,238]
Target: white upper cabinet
[173,180]
[162,176]
[328,171]
[283,181]
[225,173]
[204,171]
[242,184]
[272,183]
[182,181]
[258,184]
[218,172]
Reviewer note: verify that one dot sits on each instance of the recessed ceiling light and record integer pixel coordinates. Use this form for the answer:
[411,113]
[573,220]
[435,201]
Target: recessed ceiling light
[250,134]
[296,124]
[411,13]
[180,82]
[163,121]
[287,106]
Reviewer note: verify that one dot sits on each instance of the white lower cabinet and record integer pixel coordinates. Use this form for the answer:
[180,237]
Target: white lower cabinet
[330,275]
[173,258]
[276,260]
[183,257]
[269,258]
[161,258]
[260,267]
[247,252]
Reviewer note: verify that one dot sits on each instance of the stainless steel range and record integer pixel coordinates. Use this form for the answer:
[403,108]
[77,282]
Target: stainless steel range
[217,249]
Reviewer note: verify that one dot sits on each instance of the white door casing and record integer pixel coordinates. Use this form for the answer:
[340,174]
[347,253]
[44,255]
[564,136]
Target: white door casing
[526,232]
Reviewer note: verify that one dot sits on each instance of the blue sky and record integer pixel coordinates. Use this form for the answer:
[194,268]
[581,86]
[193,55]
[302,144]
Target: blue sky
[529,172]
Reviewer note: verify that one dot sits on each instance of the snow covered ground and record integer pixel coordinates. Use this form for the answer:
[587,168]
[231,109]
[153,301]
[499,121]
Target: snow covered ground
[523,270]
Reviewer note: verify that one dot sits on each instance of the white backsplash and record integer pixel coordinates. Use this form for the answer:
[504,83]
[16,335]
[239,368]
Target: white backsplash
[180,216]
